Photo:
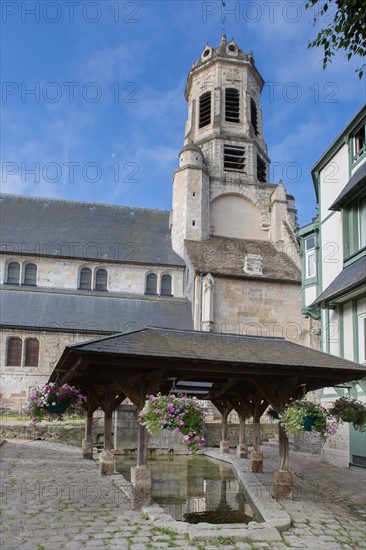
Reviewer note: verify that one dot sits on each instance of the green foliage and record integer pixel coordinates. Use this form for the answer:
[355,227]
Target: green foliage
[297,412]
[346,28]
[349,409]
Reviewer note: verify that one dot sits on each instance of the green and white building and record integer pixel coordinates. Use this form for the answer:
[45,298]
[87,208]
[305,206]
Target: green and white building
[333,249]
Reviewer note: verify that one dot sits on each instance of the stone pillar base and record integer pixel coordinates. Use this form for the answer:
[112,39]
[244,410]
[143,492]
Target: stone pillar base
[242,451]
[256,462]
[282,487]
[106,463]
[87,448]
[224,447]
[141,486]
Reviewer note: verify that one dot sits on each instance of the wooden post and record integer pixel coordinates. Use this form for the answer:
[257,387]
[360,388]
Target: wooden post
[87,445]
[242,449]
[256,432]
[107,431]
[141,446]
[283,463]
[224,426]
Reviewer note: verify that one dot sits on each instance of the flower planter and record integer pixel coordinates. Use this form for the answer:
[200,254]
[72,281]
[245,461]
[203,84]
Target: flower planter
[59,408]
[308,423]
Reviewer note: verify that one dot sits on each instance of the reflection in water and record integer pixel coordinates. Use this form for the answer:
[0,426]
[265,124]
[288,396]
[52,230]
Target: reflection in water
[195,489]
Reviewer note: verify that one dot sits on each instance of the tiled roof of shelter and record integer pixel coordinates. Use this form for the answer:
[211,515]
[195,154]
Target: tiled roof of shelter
[86,230]
[217,348]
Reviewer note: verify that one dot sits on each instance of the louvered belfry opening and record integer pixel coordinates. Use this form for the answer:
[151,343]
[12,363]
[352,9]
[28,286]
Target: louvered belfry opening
[261,170]
[234,158]
[232,107]
[254,116]
[205,110]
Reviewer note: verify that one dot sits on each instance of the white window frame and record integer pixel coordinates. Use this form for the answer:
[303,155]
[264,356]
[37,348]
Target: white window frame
[310,260]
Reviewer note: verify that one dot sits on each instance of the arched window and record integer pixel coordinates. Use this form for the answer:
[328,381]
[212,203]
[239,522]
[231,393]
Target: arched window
[151,283]
[14,352]
[166,285]
[254,116]
[232,108]
[13,273]
[85,279]
[205,110]
[101,280]
[31,352]
[30,275]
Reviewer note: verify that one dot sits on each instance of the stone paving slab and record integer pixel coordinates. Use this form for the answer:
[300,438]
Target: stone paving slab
[52,498]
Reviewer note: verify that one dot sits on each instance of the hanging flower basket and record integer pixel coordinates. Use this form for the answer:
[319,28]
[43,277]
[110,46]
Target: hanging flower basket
[178,414]
[50,402]
[306,416]
[349,409]
[273,414]
[59,408]
[309,422]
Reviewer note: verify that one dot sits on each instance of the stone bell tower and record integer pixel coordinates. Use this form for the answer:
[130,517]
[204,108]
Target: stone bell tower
[221,187]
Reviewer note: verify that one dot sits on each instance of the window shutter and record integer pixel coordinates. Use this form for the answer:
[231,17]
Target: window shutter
[151,284]
[85,279]
[30,277]
[13,273]
[14,353]
[31,352]
[166,285]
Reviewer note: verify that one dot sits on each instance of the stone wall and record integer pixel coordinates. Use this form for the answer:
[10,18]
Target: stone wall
[126,434]
[15,382]
[260,308]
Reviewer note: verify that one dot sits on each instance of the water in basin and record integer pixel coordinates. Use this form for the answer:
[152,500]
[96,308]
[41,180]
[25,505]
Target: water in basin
[195,489]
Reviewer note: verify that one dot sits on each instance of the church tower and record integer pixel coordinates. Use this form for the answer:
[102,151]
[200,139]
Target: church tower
[221,186]
[231,225]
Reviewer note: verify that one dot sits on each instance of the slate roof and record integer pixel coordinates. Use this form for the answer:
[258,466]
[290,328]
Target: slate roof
[90,313]
[356,182]
[86,230]
[225,256]
[348,279]
[216,347]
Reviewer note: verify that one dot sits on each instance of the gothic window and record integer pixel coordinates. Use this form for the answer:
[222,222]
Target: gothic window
[101,280]
[234,158]
[261,170]
[232,111]
[205,110]
[254,115]
[85,279]
[14,352]
[166,285]
[31,352]
[151,283]
[13,273]
[30,275]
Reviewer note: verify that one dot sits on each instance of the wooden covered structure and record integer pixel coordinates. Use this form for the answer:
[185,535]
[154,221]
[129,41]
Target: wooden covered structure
[245,373]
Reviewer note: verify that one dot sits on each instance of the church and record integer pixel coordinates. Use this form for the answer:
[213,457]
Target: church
[224,259]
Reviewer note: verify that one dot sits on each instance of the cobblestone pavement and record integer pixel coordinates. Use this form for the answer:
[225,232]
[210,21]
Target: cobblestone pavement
[53,499]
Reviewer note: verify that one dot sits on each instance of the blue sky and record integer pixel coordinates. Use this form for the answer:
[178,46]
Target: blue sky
[105,121]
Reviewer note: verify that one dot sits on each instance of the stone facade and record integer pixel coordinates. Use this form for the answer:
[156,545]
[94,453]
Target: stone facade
[221,190]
